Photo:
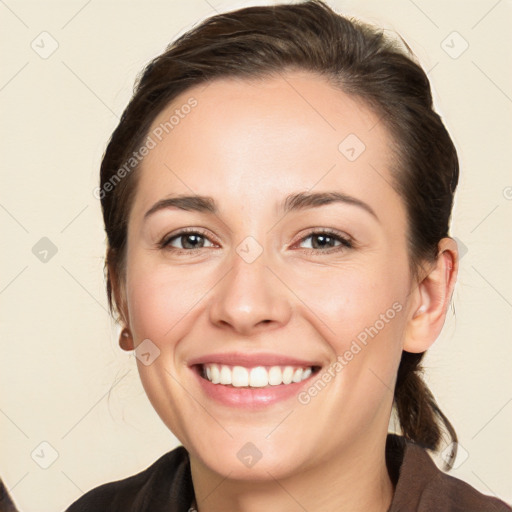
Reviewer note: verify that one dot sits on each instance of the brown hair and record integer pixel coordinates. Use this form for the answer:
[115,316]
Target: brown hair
[256,42]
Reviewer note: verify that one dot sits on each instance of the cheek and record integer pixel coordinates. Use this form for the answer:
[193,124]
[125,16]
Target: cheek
[353,301]
[159,298]
[363,322]
[360,312]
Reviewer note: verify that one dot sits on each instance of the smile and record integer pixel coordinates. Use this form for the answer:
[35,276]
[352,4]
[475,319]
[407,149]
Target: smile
[255,377]
[252,380]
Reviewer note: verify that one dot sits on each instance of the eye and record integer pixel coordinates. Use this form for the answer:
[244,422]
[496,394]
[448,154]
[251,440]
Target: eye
[327,241]
[187,239]
[320,241]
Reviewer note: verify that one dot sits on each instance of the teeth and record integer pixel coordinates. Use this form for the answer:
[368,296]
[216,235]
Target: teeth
[297,375]
[215,374]
[287,375]
[225,375]
[257,377]
[239,377]
[275,376]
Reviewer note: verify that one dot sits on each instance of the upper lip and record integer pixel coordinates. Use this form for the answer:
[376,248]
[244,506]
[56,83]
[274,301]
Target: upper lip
[251,360]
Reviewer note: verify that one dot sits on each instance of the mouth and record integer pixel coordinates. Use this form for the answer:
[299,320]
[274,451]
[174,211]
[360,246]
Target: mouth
[256,377]
[252,381]
[252,387]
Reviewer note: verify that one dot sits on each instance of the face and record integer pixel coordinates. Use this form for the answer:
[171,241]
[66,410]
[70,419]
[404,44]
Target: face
[293,267]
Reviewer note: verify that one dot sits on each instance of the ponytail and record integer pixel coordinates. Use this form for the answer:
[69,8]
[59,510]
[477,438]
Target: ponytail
[421,419]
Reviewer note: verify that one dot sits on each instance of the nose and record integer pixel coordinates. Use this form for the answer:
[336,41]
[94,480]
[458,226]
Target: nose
[250,298]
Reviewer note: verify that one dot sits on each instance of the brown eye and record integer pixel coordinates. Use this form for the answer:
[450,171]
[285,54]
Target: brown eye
[186,240]
[323,241]
[189,241]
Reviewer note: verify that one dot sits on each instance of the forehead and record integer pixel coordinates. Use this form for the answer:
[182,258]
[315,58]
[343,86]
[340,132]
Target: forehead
[293,105]
[266,137]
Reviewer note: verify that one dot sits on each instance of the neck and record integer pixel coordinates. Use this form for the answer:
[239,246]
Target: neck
[355,480]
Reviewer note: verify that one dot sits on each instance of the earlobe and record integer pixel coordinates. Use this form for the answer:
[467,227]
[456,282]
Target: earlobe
[126,339]
[119,296]
[432,299]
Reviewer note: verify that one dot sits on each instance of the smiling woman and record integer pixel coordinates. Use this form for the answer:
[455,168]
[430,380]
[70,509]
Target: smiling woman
[280,261]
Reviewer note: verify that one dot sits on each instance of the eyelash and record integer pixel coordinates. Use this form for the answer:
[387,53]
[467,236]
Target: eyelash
[346,242]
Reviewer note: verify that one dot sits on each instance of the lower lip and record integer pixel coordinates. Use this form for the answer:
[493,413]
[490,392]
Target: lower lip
[252,398]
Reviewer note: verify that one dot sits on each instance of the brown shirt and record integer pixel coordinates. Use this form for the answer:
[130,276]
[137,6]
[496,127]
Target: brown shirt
[166,486]
[421,486]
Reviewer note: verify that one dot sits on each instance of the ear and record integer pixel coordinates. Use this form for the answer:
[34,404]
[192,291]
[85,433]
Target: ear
[119,295]
[431,299]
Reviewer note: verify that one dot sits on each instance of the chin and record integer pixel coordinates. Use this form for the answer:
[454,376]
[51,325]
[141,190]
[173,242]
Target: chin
[250,463]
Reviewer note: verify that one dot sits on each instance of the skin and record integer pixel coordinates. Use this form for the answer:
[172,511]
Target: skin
[248,145]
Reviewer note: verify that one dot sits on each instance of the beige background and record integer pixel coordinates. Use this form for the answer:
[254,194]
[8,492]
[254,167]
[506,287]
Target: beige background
[64,381]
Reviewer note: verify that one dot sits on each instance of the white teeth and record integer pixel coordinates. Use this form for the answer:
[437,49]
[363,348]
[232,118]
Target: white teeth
[257,377]
[297,375]
[288,375]
[225,375]
[215,374]
[275,376]
[239,377]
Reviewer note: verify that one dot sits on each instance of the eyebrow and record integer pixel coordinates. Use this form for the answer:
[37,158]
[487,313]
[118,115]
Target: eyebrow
[293,202]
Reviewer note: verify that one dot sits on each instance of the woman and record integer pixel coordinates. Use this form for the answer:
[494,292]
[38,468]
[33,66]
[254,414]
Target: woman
[277,199]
